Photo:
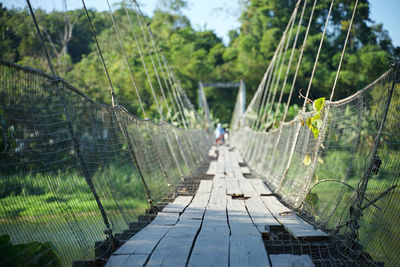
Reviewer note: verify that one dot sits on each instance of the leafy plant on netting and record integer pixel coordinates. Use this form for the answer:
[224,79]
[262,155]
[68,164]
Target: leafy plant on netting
[315,122]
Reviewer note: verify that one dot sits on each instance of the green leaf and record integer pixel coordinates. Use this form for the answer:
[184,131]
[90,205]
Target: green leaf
[319,103]
[315,132]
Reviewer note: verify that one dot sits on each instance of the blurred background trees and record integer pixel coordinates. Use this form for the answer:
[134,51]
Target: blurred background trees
[198,54]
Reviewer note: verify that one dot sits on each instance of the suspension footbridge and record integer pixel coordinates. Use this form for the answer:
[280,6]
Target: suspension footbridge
[89,184]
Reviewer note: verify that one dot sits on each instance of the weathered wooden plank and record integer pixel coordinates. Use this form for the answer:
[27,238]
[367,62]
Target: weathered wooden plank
[166,218]
[260,215]
[298,228]
[212,152]
[247,188]
[198,205]
[260,187]
[246,245]
[275,206]
[127,260]
[238,156]
[232,187]
[245,170]
[174,248]
[232,184]
[212,169]
[144,241]
[212,244]
[221,162]
[179,204]
[205,186]
[284,260]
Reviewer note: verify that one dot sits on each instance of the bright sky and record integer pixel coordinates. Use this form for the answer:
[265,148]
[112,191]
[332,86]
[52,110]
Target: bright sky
[221,15]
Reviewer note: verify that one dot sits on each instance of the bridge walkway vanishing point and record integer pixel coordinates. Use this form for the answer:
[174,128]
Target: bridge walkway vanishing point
[226,223]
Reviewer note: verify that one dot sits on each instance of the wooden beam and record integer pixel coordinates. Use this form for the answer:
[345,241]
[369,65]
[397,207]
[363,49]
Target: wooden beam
[246,244]
[179,204]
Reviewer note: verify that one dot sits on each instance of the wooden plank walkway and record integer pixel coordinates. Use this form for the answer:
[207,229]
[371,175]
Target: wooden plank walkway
[222,225]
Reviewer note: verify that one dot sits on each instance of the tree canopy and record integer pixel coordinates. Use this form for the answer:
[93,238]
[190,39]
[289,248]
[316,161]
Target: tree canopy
[197,54]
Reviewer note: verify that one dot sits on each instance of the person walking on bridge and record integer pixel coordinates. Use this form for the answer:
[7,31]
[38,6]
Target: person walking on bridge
[219,134]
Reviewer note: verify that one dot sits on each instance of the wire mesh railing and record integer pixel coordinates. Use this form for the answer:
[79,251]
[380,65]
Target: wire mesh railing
[69,166]
[343,179]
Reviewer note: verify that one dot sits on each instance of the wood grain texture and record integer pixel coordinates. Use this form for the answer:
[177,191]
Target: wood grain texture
[299,228]
[166,218]
[212,244]
[260,187]
[260,215]
[174,248]
[212,169]
[246,244]
[179,204]
[275,206]
[144,241]
[199,203]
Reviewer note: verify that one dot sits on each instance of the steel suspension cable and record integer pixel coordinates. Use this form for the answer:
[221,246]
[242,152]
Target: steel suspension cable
[163,69]
[154,95]
[274,71]
[300,58]
[267,92]
[41,38]
[156,52]
[170,88]
[283,62]
[113,96]
[317,57]
[261,90]
[144,65]
[126,59]
[291,57]
[151,56]
[173,87]
[270,85]
[115,105]
[343,51]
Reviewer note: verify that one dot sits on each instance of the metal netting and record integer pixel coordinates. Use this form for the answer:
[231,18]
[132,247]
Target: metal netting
[69,166]
[344,180]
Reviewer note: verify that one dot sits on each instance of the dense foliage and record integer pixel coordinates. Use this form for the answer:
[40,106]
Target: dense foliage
[197,54]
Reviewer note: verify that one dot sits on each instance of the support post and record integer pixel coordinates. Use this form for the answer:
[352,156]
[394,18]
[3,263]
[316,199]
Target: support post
[243,96]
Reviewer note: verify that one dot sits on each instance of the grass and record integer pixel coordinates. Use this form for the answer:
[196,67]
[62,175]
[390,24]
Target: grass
[60,207]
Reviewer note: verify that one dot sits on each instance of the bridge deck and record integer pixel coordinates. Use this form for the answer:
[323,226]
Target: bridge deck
[223,224]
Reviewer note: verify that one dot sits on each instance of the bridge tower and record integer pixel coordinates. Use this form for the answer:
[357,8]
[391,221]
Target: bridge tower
[202,100]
